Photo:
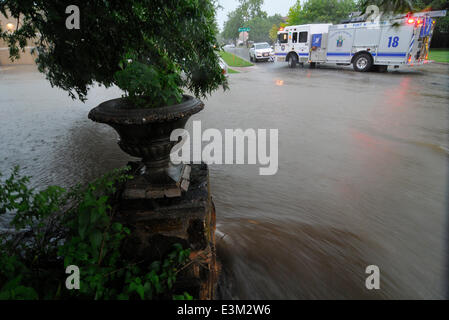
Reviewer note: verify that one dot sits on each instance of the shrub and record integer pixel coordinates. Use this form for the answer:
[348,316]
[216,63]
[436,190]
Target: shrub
[55,228]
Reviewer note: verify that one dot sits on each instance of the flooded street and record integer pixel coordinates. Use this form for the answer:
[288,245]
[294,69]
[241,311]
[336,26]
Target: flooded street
[362,176]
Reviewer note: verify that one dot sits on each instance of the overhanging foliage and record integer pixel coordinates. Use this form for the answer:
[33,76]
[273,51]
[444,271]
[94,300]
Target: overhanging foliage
[178,35]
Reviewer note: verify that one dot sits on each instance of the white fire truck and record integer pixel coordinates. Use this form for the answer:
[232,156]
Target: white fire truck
[368,45]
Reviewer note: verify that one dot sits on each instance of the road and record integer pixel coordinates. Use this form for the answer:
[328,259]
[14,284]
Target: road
[362,174]
[362,180]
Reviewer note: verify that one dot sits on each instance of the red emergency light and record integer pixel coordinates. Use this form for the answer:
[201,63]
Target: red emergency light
[411,20]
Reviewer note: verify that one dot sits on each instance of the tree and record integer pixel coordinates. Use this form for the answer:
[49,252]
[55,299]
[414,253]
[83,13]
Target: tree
[140,45]
[320,11]
[294,14]
[260,27]
[251,9]
[247,11]
[250,14]
[274,33]
[232,25]
[392,6]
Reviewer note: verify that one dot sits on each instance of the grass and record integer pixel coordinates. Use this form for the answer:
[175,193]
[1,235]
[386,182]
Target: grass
[232,71]
[439,55]
[233,61]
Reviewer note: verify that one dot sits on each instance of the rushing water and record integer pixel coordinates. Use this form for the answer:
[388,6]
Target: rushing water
[362,175]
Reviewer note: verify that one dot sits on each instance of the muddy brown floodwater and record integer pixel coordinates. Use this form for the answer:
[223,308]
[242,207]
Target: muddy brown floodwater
[362,174]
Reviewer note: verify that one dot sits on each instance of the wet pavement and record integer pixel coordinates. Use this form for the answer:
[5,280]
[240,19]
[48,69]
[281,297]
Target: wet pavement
[362,174]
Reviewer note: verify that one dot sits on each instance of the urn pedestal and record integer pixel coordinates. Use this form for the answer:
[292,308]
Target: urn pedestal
[158,223]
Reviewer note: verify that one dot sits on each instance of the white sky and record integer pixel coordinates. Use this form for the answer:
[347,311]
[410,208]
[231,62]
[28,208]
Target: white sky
[270,6]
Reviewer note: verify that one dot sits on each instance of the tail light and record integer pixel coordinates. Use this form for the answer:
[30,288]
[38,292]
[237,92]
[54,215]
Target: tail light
[411,20]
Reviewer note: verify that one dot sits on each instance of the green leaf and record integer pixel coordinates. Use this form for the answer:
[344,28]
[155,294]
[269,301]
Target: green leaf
[122,296]
[25,293]
[96,238]
[141,291]
[184,296]
[156,266]
[83,223]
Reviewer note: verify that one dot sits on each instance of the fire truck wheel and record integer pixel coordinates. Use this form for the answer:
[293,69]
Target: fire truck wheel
[313,65]
[292,61]
[363,62]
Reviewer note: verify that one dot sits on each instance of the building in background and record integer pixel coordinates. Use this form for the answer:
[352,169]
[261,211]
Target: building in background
[25,57]
[243,37]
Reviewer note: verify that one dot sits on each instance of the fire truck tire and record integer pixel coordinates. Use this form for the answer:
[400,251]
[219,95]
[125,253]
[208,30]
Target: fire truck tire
[363,62]
[313,65]
[292,61]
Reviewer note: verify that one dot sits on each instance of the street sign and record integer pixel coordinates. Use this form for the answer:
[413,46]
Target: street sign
[244,29]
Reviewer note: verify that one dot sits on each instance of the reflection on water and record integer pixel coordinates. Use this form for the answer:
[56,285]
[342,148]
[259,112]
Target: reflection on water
[361,180]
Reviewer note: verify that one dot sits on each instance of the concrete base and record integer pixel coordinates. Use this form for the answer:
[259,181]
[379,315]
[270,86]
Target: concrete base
[157,223]
[139,188]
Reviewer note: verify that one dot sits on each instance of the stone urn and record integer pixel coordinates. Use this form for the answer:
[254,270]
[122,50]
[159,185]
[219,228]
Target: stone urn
[145,133]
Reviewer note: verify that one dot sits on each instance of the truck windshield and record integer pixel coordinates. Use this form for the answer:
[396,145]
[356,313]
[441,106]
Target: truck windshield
[262,46]
[283,37]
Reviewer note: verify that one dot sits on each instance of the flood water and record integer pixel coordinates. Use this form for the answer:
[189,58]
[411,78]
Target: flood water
[362,175]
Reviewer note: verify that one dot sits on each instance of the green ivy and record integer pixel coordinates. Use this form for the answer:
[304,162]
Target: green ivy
[55,228]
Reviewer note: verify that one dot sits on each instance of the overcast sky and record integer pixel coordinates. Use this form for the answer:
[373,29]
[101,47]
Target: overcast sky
[270,6]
